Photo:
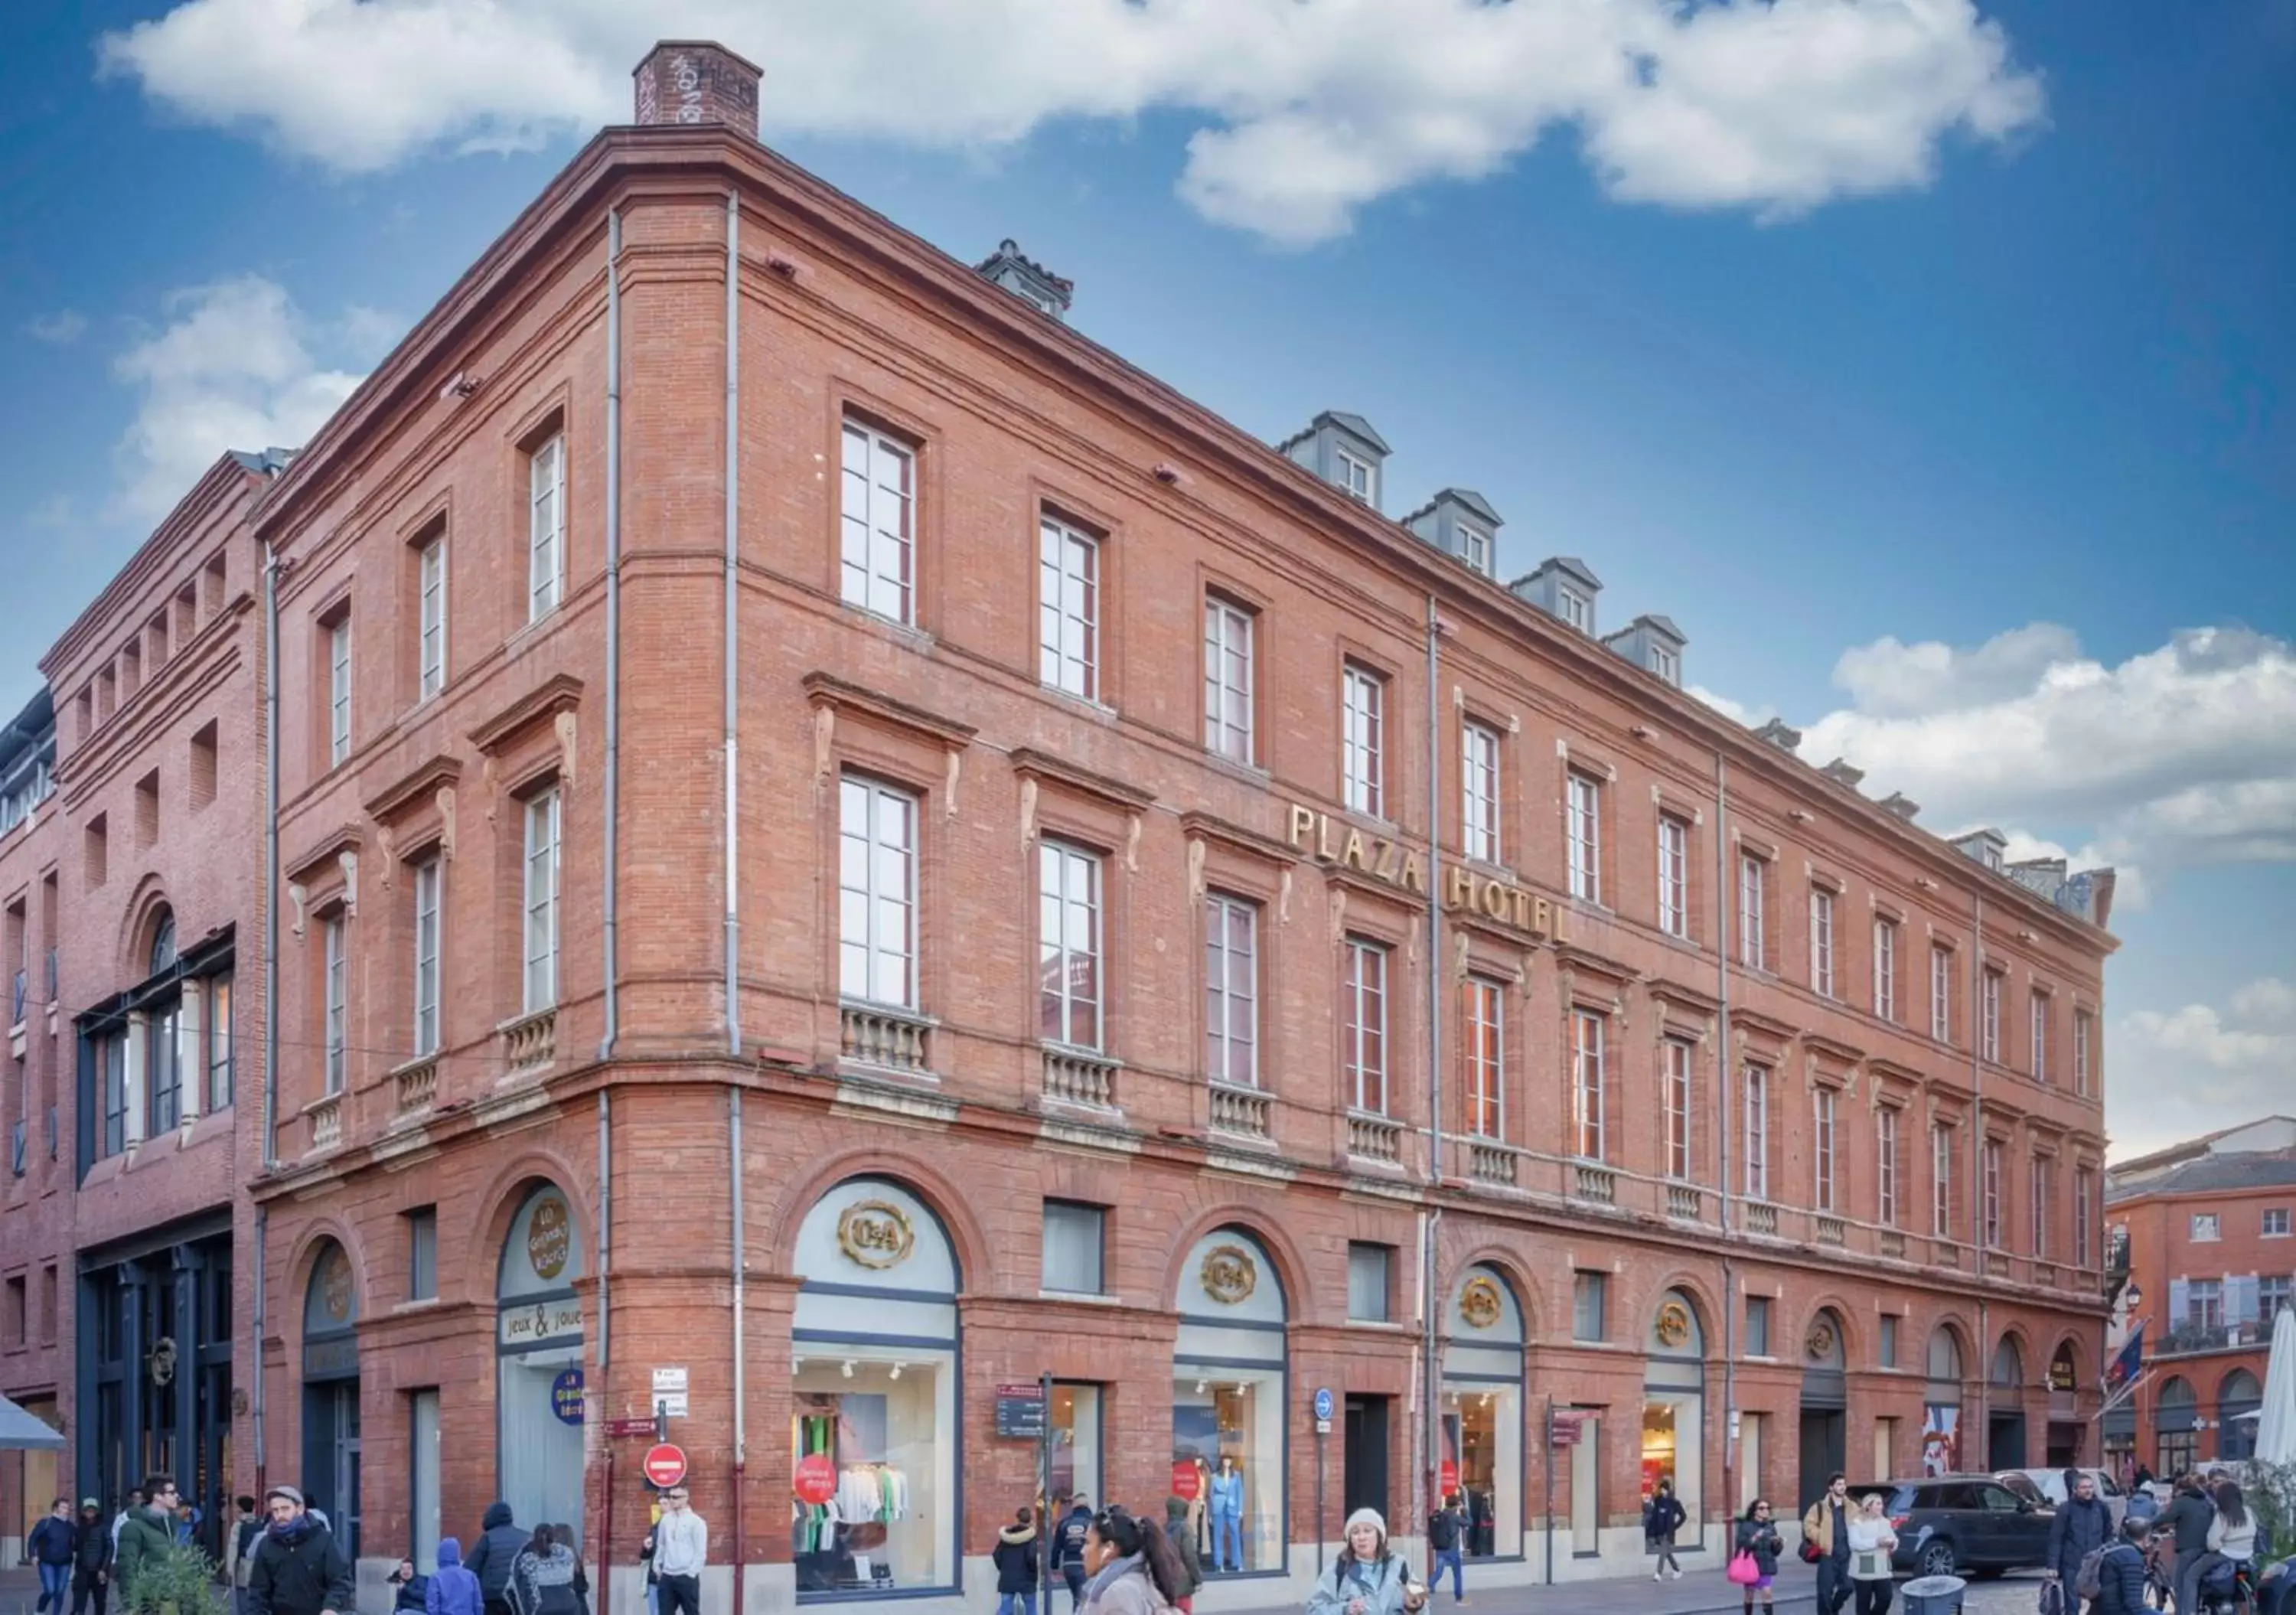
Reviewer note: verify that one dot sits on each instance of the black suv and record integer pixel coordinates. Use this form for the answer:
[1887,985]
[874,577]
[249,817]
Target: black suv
[1947,1523]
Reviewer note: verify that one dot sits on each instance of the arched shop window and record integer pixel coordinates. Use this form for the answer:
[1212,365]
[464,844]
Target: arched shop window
[1229,1401]
[331,1459]
[2008,1366]
[2175,1421]
[1941,1440]
[539,1343]
[874,1383]
[2238,1400]
[1674,1404]
[1482,1411]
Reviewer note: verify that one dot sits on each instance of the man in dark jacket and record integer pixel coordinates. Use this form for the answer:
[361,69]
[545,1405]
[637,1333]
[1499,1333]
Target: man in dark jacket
[2121,1573]
[147,1534]
[51,1547]
[91,1559]
[2190,1513]
[2081,1524]
[493,1556]
[1015,1559]
[299,1570]
[1067,1552]
[1445,1527]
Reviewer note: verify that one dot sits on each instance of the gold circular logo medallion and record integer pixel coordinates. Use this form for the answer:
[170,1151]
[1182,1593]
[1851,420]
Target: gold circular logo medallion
[1229,1274]
[1673,1324]
[1821,1339]
[875,1233]
[1479,1302]
[549,1237]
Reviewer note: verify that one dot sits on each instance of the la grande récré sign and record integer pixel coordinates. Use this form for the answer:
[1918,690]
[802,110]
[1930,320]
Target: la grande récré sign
[1343,846]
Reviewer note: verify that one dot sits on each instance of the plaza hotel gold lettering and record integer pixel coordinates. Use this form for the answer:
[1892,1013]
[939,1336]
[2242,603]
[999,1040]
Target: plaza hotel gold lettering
[1345,847]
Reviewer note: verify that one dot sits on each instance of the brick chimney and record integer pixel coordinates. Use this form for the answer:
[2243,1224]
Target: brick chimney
[696,81]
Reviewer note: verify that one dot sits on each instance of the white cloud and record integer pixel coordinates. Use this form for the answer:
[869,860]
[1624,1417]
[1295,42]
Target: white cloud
[1737,712]
[2270,1002]
[2178,1073]
[232,368]
[60,328]
[1305,110]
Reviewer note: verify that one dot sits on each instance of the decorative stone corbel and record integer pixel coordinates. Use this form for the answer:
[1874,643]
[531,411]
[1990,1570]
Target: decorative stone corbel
[1027,811]
[348,862]
[824,732]
[384,840]
[564,725]
[488,776]
[296,893]
[1197,867]
[1283,898]
[445,801]
[1132,844]
[1339,915]
[955,766]
[1411,943]
[1459,957]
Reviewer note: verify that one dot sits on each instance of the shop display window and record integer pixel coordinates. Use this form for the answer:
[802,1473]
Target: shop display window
[1227,1429]
[1482,1437]
[873,1454]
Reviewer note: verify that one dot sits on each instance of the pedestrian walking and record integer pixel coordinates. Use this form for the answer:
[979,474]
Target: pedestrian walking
[681,1548]
[299,1569]
[2121,1572]
[119,1520]
[1757,1535]
[1446,1541]
[452,1589]
[144,1536]
[1015,1557]
[1662,1516]
[91,1559]
[1873,1543]
[544,1582]
[1067,1552]
[2189,1515]
[52,1547]
[1826,1528]
[246,1532]
[1132,1568]
[2081,1525]
[1366,1579]
[493,1556]
[563,1533]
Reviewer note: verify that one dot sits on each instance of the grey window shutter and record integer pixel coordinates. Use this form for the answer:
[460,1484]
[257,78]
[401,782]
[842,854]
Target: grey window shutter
[2180,1292]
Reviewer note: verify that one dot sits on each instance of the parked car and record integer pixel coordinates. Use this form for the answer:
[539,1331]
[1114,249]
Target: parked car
[1948,1523]
[2048,1488]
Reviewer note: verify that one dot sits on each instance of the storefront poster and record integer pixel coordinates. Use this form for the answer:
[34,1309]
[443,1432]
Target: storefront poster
[1941,1439]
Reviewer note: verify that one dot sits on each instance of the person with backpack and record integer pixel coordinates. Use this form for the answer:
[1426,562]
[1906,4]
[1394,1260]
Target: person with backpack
[1184,1543]
[494,1555]
[1366,1579]
[1826,1543]
[452,1589]
[1446,1532]
[2117,1572]
[2081,1525]
[1872,1543]
[1757,1537]
[1662,1516]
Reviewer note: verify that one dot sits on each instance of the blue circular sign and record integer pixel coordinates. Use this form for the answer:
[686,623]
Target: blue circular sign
[566,1396]
[1324,1405]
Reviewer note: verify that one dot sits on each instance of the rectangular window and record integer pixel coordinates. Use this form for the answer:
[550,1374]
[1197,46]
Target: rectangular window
[1067,608]
[1475,548]
[1368,1267]
[1757,1185]
[1885,1167]
[220,1081]
[1673,876]
[1068,957]
[878,518]
[1363,1026]
[115,1095]
[335,954]
[1586,838]
[1666,664]
[422,1253]
[1885,969]
[1587,1097]
[431,579]
[1575,609]
[1887,1351]
[541,901]
[2040,1186]
[16,1313]
[1227,680]
[1589,1303]
[2204,1303]
[1941,993]
[1821,942]
[2083,1217]
[1479,792]
[1363,756]
[1752,950]
[1989,1161]
[545,528]
[2275,1222]
[339,691]
[877,893]
[163,1072]
[1678,1109]
[2206,1226]
[1075,1246]
[1758,1326]
[1355,476]
[1232,990]
[2040,1014]
[2272,1293]
[1941,1182]
[1486,1041]
[1989,1018]
[2084,1030]
[1822,1118]
[426,957]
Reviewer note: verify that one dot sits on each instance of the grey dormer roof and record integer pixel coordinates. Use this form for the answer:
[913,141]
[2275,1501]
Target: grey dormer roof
[1574,566]
[1355,426]
[1026,278]
[269,463]
[1439,520]
[1780,733]
[1662,626]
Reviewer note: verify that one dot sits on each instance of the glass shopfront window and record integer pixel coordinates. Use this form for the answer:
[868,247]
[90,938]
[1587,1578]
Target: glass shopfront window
[539,1345]
[1075,1419]
[874,1378]
[1674,1411]
[1482,1412]
[1229,1402]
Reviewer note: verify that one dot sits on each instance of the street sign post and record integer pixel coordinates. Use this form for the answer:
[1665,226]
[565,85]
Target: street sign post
[1020,1412]
[664,1466]
[1322,1407]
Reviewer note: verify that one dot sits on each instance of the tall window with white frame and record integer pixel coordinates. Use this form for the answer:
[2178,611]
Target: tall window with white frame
[546,529]
[1232,990]
[541,901]
[877,523]
[2084,1217]
[1356,475]
[1228,675]
[2084,1033]
[426,957]
[1677,1061]
[1588,1098]
[1990,1016]
[2040,1185]
[1067,608]
[1486,1050]
[877,893]
[1823,1110]
[1885,1166]
[1475,548]
[1363,740]
[1942,1153]
[1585,835]
[336,987]
[1576,609]
[1753,873]
[430,581]
[1479,791]
[1991,1187]
[1941,993]
[2041,1005]
[1673,876]
[1885,969]
[339,690]
[220,1079]
[1756,1184]
[1068,960]
[1363,1026]
[1821,941]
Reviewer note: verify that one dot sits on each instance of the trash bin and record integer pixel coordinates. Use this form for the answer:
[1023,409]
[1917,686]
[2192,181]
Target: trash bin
[1935,1595]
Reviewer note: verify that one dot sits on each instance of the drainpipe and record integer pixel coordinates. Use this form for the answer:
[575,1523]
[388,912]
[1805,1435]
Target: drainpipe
[1984,1364]
[733,586]
[1723,910]
[270,866]
[610,887]
[740,1365]
[1429,1289]
[262,1232]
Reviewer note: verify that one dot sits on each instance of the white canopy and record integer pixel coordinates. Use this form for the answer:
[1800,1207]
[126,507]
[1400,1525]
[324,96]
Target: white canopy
[20,1430]
[2275,1431]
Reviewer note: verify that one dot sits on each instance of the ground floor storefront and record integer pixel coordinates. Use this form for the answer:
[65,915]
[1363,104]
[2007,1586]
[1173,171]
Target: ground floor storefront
[2191,1408]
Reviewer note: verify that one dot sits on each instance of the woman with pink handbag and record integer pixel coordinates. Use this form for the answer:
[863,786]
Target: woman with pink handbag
[1754,1555]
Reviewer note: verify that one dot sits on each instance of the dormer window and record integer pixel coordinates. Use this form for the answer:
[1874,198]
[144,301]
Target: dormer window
[1357,476]
[1575,609]
[1666,664]
[1475,548]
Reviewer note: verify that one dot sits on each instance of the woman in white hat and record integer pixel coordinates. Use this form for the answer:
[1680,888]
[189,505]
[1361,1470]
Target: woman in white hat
[1366,1579]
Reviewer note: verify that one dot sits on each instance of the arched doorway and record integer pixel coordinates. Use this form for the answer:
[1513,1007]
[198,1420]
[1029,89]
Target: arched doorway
[1229,1403]
[1674,1409]
[873,1389]
[1942,1404]
[539,1361]
[2004,1417]
[1825,1404]
[2068,1438]
[2175,1421]
[1482,1411]
[330,1393]
[2238,1398]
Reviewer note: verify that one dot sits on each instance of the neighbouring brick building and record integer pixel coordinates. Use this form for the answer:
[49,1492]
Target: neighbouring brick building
[976,887]
[2203,1230]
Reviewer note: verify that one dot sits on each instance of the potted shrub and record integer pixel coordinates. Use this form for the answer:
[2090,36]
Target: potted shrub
[180,1582]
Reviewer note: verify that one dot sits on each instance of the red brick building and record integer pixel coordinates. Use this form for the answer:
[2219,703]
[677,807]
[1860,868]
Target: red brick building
[2211,1261]
[1001,875]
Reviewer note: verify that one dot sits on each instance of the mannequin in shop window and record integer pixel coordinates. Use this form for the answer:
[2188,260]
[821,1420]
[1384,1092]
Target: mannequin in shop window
[1228,1515]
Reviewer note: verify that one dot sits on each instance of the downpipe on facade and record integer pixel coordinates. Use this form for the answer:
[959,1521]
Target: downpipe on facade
[1722,887]
[1983,1366]
[609,891]
[1430,1289]
[732,862]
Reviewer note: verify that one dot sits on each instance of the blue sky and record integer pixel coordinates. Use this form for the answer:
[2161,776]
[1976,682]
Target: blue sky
[1940,390]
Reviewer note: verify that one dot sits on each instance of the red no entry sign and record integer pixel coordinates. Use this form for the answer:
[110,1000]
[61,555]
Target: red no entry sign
[665,1465]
